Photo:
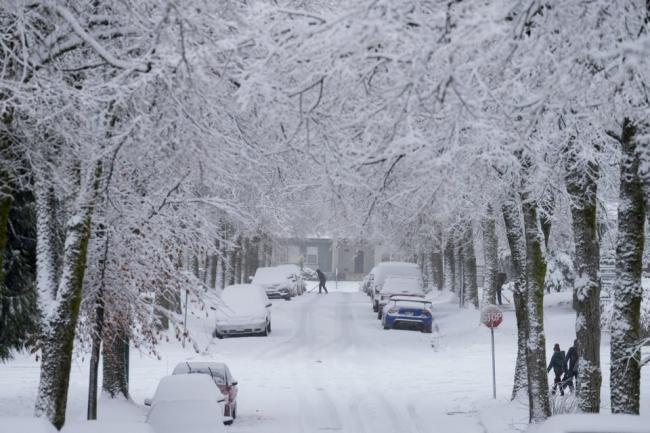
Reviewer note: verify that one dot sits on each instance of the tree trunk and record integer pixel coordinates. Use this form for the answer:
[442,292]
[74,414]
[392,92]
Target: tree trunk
[625,351]
[536,272]
[98,329]
[582,186]
[491,257]
[214,261]
[232,268]
[116,360]
[469,267]
[449,266]
[515,234]
[60,313]
[458,268]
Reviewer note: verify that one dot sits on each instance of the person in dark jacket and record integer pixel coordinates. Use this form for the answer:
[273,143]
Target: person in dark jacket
[557,365]
[321,281]
[571,366]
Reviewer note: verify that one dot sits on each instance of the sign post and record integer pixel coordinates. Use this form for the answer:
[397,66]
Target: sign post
[491,316]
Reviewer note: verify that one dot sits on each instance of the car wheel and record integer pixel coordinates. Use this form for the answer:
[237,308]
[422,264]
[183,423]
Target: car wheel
[427,329]
[386,326]
[287,298]
[216,334]
[268,327]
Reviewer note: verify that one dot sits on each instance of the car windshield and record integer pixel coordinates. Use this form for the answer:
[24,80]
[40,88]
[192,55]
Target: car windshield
[216,370]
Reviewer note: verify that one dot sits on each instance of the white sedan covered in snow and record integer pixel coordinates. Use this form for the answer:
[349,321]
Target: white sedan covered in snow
[277,282]
[186,403]
[245,310]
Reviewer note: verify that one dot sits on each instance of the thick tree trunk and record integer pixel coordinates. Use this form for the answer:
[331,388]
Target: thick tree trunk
[515,235]
[582,186]
[449,266]
[458,268]
[469,267]
[491,257]
[625,354]
[232,268]
[116,361]
[535,272]
[436,264]
[214,261]
[60,318]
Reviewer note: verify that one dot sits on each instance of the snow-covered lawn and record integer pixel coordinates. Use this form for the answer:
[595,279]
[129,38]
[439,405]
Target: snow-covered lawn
[329,366]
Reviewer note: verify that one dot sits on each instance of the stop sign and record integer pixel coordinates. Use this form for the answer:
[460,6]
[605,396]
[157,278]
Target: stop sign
[491,316]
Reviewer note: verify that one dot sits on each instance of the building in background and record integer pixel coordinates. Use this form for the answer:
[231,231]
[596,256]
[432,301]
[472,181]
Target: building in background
[352,259]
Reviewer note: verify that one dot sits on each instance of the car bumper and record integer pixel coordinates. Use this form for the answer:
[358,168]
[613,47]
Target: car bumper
[241,329]
[409,321]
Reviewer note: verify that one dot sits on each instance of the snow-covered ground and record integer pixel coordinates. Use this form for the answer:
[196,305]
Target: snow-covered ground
[329,366]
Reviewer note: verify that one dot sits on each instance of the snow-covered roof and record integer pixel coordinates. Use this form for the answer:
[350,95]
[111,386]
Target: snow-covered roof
[186,387]
[196,416]
[270,275]
[243,300]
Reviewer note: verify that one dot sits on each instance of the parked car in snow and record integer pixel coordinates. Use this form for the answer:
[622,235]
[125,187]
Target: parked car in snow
[406,286]
[102,426]
[295,275]
[245,310]
[182,416]
[276,282]
[408,312]
[220,374]
[191,388]
[390,269]
[592,423]
[308,274]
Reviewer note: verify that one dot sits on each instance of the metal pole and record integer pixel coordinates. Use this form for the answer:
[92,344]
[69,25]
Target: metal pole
[494,378]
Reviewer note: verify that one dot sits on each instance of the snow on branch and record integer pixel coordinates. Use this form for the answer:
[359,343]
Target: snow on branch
[95,45]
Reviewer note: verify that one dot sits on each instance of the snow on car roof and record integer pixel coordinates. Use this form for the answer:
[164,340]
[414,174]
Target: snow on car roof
[216,368]
[411,303]
[270,275]
[402,284]
[414,298]
[106,427]
[186,387]
[196,416]
[396,269]
[242,300]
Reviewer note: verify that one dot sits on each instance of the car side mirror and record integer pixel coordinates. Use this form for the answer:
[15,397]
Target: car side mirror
[234,383]
[269,304]
[147,402]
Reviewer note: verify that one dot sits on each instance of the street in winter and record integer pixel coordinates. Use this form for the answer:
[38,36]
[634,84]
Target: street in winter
[297,216]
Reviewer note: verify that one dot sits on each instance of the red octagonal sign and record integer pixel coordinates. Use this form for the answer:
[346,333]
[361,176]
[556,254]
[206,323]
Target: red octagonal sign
[491,316]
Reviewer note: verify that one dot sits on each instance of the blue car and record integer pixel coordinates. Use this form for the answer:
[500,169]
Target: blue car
[409,312]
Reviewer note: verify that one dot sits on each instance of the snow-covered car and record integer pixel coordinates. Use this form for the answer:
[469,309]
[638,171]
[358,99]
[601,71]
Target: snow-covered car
[182,416]
[390,269]
[26,424]
[276,282]
[408,312]
[308,274]
[220,374]
[245,310]
[406,286]
[295,275]
[103,426]
[189,387]
[592,423]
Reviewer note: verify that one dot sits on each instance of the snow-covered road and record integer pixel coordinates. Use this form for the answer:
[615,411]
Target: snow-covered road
[329,366]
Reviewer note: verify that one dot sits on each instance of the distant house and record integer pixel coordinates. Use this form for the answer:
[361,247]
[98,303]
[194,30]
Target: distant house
[352,259]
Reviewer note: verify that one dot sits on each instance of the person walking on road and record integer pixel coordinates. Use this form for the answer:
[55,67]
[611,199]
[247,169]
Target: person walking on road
[571,366]
[321,281]
[557,364]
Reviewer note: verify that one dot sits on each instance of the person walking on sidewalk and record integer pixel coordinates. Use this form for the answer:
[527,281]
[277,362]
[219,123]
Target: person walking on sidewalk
[321,281]
[557,365]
